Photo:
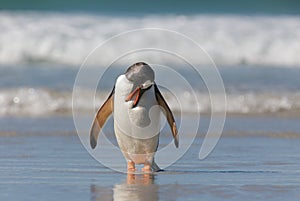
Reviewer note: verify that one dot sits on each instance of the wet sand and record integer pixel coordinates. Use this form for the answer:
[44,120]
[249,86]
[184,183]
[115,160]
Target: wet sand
[53,166]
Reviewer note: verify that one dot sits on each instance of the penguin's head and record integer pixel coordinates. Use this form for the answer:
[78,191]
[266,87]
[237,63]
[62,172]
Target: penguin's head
[140,74]
[142,77]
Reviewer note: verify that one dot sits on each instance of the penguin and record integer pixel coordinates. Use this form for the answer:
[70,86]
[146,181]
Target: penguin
[136,104]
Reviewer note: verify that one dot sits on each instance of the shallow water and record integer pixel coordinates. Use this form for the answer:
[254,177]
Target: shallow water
[52,166]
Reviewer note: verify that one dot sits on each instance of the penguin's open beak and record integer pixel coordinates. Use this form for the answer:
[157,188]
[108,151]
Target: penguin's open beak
[138,92]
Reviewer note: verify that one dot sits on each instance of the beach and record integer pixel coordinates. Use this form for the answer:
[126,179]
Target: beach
[44,159]
[46,112]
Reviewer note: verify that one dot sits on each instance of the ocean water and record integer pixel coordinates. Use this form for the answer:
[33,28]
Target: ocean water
[257,56]
[136,7]
[255,48]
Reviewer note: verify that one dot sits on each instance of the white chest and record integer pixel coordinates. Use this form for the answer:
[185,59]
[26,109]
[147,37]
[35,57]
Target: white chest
[141,122]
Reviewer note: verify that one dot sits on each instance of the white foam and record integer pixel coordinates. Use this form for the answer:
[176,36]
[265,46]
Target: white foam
[41,102]
[229,39]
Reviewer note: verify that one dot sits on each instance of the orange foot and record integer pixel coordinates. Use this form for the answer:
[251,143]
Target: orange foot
[130,166]
[146,168]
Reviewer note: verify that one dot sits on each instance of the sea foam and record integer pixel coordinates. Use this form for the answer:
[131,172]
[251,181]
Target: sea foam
[68,38]
[41,102]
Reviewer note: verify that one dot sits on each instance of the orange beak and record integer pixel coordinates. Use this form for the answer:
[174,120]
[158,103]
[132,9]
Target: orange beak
[137,94]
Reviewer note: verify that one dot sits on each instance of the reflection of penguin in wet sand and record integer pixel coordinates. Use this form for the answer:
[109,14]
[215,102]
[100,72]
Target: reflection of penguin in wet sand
[136,187]
[136,119]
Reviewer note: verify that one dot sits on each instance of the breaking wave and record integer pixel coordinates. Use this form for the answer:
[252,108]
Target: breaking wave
[29,37]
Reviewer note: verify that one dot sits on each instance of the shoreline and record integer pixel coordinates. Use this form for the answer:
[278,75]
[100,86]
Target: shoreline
[236,125]
[282,135]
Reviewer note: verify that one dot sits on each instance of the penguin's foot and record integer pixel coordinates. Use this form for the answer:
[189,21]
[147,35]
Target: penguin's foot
[146,168]
[130,166]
